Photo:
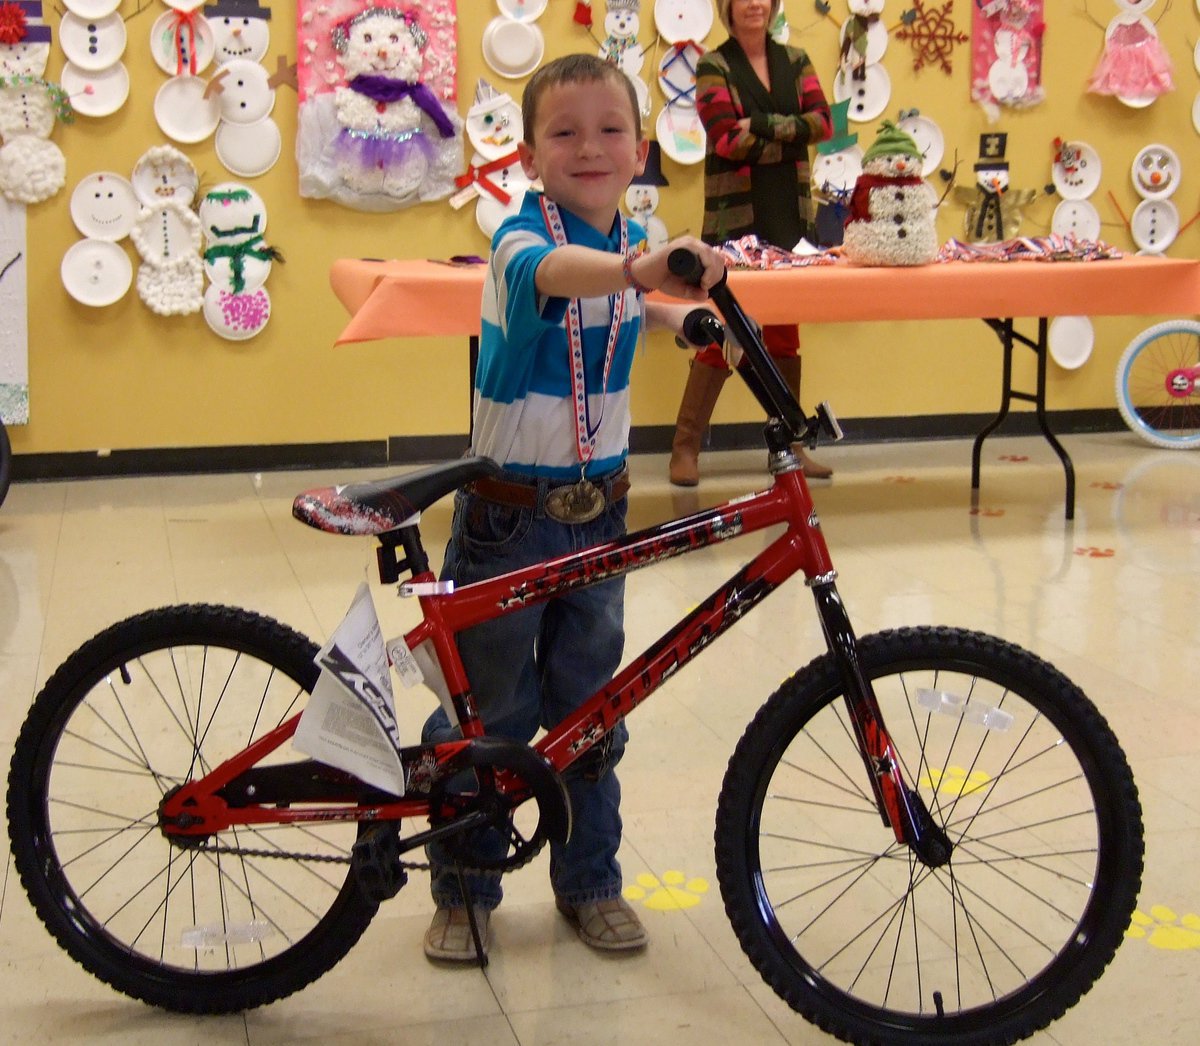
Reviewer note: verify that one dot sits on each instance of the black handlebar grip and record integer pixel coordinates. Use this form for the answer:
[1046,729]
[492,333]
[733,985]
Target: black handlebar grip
[686,265]
[702,328]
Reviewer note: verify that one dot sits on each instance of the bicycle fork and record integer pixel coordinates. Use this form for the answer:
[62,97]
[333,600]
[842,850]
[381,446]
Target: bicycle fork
[901,807]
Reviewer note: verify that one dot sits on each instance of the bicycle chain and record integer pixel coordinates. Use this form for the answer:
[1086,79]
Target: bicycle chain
[415,866]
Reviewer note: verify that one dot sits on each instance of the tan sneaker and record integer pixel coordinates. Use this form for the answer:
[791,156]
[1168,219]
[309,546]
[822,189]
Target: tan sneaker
[610,925]
[449,935]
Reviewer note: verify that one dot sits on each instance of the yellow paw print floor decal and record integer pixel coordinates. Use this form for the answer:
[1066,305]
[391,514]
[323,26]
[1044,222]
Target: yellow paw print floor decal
[1162,928]
[954,780]
[673,892]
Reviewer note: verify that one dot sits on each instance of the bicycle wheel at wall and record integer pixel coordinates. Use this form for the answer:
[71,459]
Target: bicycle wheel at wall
[144,706]
[1024,776]
[5,462]
[1158,385]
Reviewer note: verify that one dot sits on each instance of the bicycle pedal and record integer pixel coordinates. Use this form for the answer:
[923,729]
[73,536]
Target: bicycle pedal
[828,423]
[375,858]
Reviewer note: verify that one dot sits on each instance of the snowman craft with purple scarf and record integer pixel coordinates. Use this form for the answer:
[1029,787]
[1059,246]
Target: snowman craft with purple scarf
[385,114]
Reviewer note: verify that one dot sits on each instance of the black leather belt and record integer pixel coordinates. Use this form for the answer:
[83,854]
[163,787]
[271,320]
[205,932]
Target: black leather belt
[526,495]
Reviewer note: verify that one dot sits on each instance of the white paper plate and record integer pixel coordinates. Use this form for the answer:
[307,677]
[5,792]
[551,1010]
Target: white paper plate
[1069,340]
[1084,180]
[166,233]
[522,10]
[236,36]
[678,20]
[96,272]
[99,93]
[1154,224]
[244,93]
[184,5]
[255,272]
[1156,160]
[104,206]
[1196,52]
[249,149]
[1196,113]
[642,90]
[182,111]
[677,74]
[172,58]
[164,173]
[868,97]
[92,43]
[930,140]
[513,49]
[1076,218]
[92,9]
[236,317]
[680,133]
[490,212]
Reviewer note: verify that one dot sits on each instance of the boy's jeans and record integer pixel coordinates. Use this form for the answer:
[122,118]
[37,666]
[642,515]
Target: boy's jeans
[530,669]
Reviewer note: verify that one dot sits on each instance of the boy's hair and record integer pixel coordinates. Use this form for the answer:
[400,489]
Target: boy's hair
[723,12]
[574,69]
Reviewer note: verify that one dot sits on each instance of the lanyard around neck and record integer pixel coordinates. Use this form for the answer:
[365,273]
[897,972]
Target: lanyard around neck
[585,431]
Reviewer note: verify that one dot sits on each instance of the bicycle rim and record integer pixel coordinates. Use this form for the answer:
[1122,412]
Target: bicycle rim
[1026,779]
[253,914]
[1143,378]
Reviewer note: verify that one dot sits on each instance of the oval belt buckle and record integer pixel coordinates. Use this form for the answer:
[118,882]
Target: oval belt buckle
[578,503]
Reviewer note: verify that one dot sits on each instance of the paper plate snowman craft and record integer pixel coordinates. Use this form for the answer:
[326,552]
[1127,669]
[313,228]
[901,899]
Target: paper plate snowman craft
[240,30]
[494,178]
[248,141]
[32,168]
[95,270]
[860,79]
[1134,66]
[838,163]
[93,38]
[1075,175]
[167,236]
[1154,223]
[237,261]
[993,206]
[641,199]
[683,24]
[622,23]
[1006,62]
[182,41]
[892,209]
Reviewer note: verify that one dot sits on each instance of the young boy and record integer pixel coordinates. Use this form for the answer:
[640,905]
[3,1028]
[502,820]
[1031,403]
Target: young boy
[562,314]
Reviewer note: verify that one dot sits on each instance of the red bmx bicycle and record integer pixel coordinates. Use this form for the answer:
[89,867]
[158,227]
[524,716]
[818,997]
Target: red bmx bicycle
[180,849]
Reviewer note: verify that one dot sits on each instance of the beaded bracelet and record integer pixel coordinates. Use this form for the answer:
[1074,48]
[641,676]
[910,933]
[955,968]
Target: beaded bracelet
[630,279]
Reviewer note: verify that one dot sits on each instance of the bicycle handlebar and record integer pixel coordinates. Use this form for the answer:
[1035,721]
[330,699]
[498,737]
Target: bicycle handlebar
[757,368]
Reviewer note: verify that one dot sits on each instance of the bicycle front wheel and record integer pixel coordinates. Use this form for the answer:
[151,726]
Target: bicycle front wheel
[1158,391]
[231,923]
[1024,776]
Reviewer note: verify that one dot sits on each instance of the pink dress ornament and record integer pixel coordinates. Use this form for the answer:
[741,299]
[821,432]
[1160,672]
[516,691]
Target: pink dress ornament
[1134,66]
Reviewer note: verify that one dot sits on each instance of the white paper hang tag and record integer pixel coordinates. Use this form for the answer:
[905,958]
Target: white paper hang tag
[404,663]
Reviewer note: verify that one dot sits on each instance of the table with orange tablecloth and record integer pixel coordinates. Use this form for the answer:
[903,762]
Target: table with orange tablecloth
[414,298]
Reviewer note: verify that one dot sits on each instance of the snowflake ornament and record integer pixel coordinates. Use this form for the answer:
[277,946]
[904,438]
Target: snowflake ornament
[932,35]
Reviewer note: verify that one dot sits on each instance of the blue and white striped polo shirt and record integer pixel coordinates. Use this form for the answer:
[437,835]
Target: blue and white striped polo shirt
[524,416]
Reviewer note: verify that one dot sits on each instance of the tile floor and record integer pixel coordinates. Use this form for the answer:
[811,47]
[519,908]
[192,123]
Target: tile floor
[1110,599]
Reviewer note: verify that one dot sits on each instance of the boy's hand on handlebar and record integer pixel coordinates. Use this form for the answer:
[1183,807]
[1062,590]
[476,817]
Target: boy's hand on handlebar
[651,270]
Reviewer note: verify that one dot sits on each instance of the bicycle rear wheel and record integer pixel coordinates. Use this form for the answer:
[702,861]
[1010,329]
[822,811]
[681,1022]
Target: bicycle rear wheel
[1157,393]
[144,706]
[1024,776]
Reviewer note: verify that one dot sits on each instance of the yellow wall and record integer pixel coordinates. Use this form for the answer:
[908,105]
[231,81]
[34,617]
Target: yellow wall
[122,377]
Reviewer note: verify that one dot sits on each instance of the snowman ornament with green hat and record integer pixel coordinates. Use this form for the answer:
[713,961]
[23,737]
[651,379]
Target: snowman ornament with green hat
[892,219]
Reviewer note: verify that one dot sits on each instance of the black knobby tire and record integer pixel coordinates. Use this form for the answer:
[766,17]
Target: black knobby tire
[1026,778]
[5,462]
[144,706]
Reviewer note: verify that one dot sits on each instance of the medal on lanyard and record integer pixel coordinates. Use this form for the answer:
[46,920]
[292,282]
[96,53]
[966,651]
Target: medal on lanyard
[583,501]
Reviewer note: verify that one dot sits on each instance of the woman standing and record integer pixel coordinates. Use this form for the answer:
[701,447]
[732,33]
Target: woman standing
[762,107]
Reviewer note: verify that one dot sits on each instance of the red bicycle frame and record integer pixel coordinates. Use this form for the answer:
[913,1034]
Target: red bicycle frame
[240,792]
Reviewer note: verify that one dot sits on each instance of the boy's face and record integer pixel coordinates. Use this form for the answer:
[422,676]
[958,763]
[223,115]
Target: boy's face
[585,148]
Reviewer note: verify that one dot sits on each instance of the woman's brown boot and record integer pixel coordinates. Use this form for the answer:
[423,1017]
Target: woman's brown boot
[699,398]
[789,367]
